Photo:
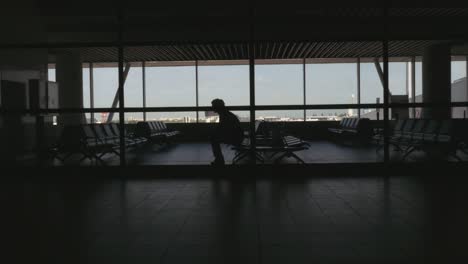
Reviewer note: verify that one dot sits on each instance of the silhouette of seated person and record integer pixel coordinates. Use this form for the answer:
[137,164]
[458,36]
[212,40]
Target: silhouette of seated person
[228,131]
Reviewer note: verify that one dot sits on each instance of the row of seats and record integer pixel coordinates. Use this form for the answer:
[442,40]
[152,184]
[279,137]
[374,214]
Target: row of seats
[93,141]
[411,135]
[156,131]
[272,139]
[110,134]
[358,128]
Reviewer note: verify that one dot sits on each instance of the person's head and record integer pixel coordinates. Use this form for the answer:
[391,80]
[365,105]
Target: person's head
[218,105]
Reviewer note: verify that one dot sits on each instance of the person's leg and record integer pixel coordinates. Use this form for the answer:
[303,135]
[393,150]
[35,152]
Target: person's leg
[217,153]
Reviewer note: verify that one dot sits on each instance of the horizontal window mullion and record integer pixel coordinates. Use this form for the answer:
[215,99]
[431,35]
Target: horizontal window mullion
[232,108]
[450,104]
[59,111]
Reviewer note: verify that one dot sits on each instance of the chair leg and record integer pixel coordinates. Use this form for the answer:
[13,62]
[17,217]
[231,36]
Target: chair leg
[294,155]
[379,147]
[454,154]
[239,156]
[278,159]
[464,151]
[259,157]
[409,150]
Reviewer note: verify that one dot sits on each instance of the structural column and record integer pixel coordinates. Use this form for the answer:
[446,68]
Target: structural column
[69,76]
[436,73]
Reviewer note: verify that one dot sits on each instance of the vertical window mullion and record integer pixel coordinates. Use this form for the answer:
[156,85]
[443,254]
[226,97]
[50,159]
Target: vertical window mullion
[143,70]
[413,84]
[196,90]
[91,90]
[120,54]
[466,84]
[304,84]
[358,75]
[251,52]
[386,102]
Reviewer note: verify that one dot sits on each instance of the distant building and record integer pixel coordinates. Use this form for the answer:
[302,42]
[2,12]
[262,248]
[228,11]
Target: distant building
[459,93]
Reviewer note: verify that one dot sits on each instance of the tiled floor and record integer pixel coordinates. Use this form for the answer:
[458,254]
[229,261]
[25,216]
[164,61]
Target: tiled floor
[319,220]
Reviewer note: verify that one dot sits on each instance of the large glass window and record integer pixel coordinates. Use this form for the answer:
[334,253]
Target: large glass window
[211,117]
[230,83]
[133,117]
[51,72]
[459,81]
[280,84]
[331,83]
[329,114]
[371,86]
[418,81]
[170,86]
[134,86]
[106,84]
[397,78]
[86,93]
[280,115]
[86,84]
[172,117]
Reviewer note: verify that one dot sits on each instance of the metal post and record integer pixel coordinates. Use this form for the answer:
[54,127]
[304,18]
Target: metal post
[143,68]
[304,83]
[385,87]
[466,83]
[122,77]
[252,85]
[413,84]
[407,67]
[359,85]
[386,103]
[196,89]
[91,90]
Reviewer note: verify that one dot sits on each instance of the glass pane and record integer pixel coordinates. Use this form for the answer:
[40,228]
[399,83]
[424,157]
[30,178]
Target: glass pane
[280,115]
[228,82]
[134,86]
[133,118]
[372,113]
[398,77]
[459,91]
[331,83]
[170,86]
[106,83]
[330,114]
[172,117]
[51,72]
[418,81]
[458,68]
[371,86]
[459,112]
[211,117]
[280,84]
[86,84]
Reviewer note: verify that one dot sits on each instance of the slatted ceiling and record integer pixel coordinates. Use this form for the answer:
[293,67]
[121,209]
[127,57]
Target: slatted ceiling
[338,12]
[296,50]
[229,50]
[407,48]
[264,50]
[429,12]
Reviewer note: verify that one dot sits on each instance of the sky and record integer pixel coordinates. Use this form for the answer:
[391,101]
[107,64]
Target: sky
[275,85]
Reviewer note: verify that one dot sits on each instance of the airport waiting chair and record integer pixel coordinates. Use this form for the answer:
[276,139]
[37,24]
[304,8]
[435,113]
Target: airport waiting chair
[95,147]
[279,144]
[156,132]
[352,129]
[437,138]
